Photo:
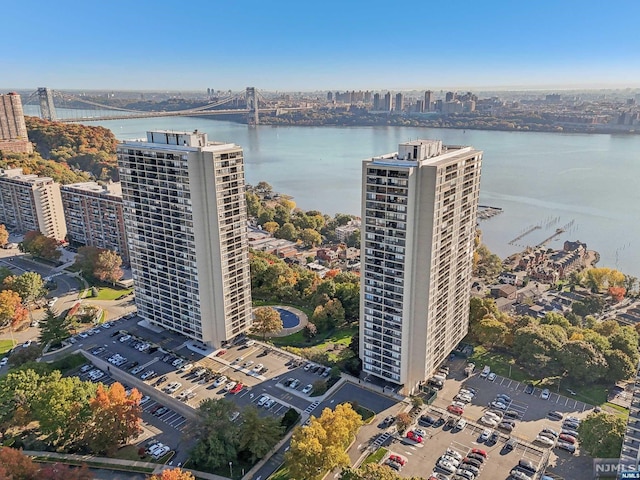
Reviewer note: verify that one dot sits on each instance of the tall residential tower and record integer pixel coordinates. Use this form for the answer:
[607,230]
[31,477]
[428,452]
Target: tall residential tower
[419,216]
[13,130]
[186,223]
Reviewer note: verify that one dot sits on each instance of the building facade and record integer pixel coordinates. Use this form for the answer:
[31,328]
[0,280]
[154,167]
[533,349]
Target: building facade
[94,217]
[186,222]
[419,216]
[31,203]
[13,130]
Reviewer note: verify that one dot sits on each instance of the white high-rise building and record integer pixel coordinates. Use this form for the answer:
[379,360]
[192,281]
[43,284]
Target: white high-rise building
[419,217]
[186,224]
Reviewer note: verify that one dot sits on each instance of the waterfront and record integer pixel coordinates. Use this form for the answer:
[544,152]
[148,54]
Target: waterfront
[546,179]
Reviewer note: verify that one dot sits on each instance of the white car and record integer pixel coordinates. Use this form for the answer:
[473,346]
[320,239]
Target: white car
[484,436]
[499,405]
[52,302]
[489,421]
[4,361]
[161,452]
[262,400]
[494,415]
[546,441]
[173,387]
[485,371]
[250,343]
[491,377]
[544,395]
[446,466]
[220,381]
[147,374]
[452,460]
[452,453]
[269,403]
[229,386]
[307,389]
[186,368]
[420,431]
[258,367]
[124,338]
[177,362]
[461,424]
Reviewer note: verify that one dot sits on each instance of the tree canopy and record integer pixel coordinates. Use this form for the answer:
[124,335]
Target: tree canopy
[266,320]
[601,434]
[38,245]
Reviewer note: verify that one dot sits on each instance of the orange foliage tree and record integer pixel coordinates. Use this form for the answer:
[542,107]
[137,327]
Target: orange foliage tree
[173,474]
[11,309]
[617,293]
[15,465]
[59,471]
[115,418]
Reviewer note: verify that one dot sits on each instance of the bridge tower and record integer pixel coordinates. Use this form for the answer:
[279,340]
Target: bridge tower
[252,106]
[47,108]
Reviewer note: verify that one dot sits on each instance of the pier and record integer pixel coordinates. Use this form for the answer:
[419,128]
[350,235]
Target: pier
[485,212]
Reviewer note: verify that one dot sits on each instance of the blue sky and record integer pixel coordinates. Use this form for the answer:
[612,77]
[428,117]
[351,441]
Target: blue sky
[308,45]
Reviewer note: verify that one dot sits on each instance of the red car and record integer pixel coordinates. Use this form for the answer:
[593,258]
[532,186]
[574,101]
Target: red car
[411,435]
[236,389]
[455,409]
[479,451]
[398,459]
[568,438]
[221,352]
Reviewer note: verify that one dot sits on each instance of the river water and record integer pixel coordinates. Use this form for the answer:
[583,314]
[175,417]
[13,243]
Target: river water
[588,184]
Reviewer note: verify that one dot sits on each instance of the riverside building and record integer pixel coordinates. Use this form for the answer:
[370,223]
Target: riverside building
[186,222]
[31,203]
[419,216]
[13,130]
[94,216]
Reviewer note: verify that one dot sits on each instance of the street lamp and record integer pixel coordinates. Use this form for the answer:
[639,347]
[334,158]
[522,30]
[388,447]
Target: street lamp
[231,469]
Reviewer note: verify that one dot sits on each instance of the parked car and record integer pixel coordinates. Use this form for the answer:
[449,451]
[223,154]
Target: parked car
[307,389]
[220,381]
[529,389]
[568,438]
[498,405]
[262,400]
[544,395]
[472,461]
[544,441]
[507,427]
[569,447]
[398,459]
[411,435]
[426,420]
[455,409]
[489,421]
[527,465]
[518,475]
[124,338]
[485,371]
[388,421]
[147,374]
[504,398]
[491,377]
[446,466]
[461,424]
[512,414]
[269,403]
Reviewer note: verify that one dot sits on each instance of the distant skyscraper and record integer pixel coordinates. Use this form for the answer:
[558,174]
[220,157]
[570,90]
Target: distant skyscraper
[376,101]
[428,100]
[387,102]
[94,216]
[13,130]
[399,102]
[419,216]
[329,96]
[449,97]
[31,203]
[186,222]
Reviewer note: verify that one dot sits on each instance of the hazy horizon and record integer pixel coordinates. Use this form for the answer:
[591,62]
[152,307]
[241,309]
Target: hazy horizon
[313,46]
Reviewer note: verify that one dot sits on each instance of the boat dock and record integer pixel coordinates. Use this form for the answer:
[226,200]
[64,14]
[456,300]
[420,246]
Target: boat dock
[485,212]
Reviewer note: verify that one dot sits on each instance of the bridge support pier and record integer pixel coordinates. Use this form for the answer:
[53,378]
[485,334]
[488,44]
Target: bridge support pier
[252,106]
[47,108]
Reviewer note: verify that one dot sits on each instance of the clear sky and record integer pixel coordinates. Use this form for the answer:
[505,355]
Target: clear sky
[306,45]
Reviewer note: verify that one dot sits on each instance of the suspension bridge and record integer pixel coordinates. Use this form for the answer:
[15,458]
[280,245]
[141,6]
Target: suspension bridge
[249,103]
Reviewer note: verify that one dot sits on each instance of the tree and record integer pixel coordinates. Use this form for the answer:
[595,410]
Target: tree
[488,265]
[253,204]
[25,355]
[601,434]
[287,231]
[60,471]
[490,331]
[289,419]
[617,293]
[38,245]
[16,465]
[115,418]
[173,474]
[403,420]
[266,320]
[264,187]
[86,260]
[310,330]
[582,361]
[107,267]
[11,310]
[4,235]
[54,328]
[218,436]
[270,227]
[310,238]
[258,435]
[625,339]
[621,366]
[321,446]
[29,286]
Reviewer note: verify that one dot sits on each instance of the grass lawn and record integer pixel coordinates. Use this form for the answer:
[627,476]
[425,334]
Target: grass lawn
[6,345]
[108,293]
[500,363]
[366,414]
[325,340]
[268,303]
[130,452]
[621,410]
[376,456]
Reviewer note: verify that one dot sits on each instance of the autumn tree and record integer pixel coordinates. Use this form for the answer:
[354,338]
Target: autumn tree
[258,435]
[4,235]
[321,446]
[60,471]
[403,420]
[617,293]
[115,418]
[173,474]
[266,320]
[14,465]
[310,330]
[29,286]
[372,471]
[107,267]
[86,260]
[11,310]
[38,245]
[287,231]
[601,434]
[310,237]
[270,227]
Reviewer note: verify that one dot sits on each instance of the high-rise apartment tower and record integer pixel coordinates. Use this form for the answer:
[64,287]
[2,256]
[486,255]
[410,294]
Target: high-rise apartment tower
[13,131]
[186,223]
[419,216]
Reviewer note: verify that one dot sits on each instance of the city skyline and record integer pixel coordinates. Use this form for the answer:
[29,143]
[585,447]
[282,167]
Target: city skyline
[323,46]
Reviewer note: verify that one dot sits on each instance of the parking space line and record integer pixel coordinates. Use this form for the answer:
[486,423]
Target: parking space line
[179,424]
[510,381]
[173,416]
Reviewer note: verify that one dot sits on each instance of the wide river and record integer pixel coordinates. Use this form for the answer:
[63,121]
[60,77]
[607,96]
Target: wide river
[588,184]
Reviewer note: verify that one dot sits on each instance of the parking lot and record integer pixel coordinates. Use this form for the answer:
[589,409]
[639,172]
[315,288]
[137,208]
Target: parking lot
[422,457]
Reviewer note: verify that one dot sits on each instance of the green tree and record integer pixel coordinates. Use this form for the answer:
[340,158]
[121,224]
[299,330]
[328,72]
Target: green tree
[310,238]
[107,267]
[86,260]
[29,286]
[253,204]
[40,246]
[281,214]
[287,231]
[266,215]
[258,435]
[348,293]
[54,328]
[266,320]
[488,265]
[490,331]
[372,471]
[601,434]
[4,235]
[25,355]
[583,362]
[625,339]
[621,366]
[218,437]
